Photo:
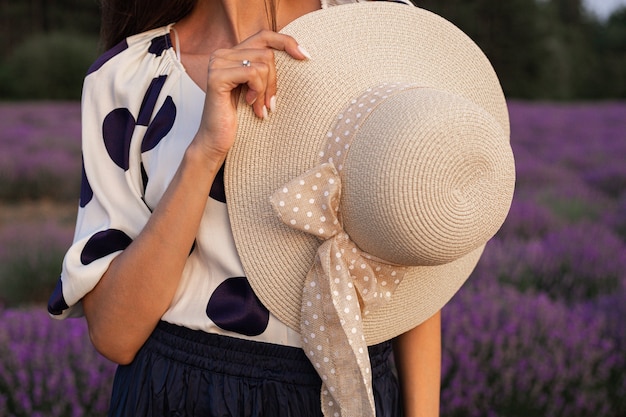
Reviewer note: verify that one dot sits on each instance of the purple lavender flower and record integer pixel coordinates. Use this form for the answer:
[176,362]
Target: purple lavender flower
[552,142]
[40,150]
[49,368]
[581,262]
[573,264]
[537,330]
[616,219]
[528,220]
[609,177]
[613,308]
[513,354]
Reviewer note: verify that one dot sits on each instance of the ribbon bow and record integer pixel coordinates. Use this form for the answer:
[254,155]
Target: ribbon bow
[343,285]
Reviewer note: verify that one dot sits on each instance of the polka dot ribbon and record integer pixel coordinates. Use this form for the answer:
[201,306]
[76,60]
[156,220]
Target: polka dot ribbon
[343,285]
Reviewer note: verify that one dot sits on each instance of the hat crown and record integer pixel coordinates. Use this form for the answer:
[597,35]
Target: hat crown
[384,42]
[428,178]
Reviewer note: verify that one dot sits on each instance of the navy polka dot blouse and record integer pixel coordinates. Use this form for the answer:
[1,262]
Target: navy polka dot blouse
[140,111]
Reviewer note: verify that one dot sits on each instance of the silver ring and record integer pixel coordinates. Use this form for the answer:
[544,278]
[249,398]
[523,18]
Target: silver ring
[246,63]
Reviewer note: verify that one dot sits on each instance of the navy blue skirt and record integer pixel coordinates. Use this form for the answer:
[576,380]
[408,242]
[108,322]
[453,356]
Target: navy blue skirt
[182,372]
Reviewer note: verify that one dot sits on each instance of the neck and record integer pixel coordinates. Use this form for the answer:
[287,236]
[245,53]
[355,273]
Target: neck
[217,24]
[221,24]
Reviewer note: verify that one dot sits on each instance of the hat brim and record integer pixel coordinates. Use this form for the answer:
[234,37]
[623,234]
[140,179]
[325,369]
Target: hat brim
[354,47]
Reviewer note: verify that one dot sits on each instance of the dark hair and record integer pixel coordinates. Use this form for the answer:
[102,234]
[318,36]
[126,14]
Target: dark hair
[123,18]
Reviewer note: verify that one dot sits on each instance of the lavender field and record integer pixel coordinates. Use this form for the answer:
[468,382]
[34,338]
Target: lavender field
[538,330]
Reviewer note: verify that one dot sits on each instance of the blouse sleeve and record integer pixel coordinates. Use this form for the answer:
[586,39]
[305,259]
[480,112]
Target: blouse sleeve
[120,93]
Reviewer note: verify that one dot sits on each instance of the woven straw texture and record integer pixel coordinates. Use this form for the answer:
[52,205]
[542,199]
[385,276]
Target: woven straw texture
[353,50]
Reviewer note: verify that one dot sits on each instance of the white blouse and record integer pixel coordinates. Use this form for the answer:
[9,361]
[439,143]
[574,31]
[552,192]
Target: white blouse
[140,111]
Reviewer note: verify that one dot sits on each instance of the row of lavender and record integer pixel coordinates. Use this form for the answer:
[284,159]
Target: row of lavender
[537,330]
[39,151]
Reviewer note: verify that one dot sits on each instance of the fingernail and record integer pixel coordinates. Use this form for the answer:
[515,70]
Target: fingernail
[273,104]
[265,114]
[304,52]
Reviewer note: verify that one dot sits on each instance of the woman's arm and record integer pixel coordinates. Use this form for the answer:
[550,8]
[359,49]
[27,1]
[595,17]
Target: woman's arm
[418,359]
[136,290]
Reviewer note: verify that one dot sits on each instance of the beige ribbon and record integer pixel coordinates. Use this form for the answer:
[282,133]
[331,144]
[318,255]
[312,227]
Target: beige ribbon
[342,286]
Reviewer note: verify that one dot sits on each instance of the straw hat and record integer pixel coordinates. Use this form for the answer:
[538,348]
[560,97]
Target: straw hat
[365,201]
[426,178]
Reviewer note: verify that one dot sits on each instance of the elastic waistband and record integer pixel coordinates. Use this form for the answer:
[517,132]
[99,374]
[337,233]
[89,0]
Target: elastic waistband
[246,358]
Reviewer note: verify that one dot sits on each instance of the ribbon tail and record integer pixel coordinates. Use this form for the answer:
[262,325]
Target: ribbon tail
[332,336]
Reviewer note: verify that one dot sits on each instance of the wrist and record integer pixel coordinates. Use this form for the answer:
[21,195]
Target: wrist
[201,155]
[203,162]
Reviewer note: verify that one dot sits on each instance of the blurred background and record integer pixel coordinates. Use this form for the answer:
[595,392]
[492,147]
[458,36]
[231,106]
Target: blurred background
[541,49]
[538,330]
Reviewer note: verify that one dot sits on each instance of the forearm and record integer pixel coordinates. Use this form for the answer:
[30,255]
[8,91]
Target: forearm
[418,359]
[125,306]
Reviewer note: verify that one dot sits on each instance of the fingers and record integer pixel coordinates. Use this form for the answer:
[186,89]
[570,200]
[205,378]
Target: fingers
[277,41]
[227,70]
[259,75]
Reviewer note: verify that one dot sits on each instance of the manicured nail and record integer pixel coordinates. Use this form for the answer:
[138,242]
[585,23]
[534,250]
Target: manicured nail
[304,52]
[265,114]
[273,104]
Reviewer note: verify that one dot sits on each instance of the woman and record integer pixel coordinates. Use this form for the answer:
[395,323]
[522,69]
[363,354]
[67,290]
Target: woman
[183,81]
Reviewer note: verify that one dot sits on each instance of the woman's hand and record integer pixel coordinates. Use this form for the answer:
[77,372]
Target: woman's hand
[152,265]
[226,74]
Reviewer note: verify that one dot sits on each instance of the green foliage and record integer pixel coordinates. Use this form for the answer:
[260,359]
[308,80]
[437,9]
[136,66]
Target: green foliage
[30,254]
[541,49]
[25,278]
[48,66]
[544,49]
[572,210]
[512,34]
[610,40]
[22,19]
